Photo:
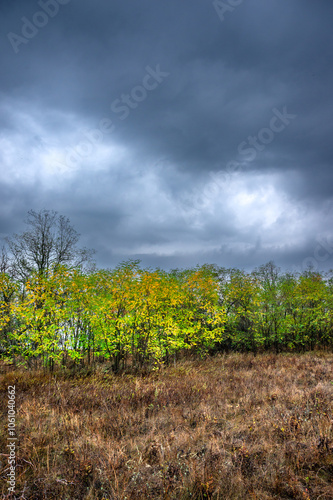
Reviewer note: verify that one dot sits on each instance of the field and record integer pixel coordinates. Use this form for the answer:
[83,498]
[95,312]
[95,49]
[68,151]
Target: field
[232,426]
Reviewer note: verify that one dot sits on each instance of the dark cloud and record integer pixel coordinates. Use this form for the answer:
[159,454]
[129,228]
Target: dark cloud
[144,170]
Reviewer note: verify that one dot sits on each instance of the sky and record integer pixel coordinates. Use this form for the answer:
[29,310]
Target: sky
[177,133]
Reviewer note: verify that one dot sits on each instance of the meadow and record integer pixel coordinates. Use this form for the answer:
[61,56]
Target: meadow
[132,383]
[228,426]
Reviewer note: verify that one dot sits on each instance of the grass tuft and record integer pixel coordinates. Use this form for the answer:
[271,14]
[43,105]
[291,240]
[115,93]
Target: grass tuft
[229,427]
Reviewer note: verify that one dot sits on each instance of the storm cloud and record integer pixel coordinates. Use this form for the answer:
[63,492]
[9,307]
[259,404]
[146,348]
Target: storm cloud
[173,132]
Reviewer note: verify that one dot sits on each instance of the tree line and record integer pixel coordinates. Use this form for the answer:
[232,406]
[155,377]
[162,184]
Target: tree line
[56,308]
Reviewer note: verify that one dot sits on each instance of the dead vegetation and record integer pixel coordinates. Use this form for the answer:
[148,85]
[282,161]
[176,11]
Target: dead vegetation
[234,426]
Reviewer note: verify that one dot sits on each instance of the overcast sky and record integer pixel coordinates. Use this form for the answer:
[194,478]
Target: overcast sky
[175,132]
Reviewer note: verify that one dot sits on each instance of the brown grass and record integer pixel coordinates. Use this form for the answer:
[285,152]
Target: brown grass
[234,426]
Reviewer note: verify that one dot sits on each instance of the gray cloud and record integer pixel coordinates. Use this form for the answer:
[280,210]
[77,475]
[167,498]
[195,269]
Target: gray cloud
[144,187]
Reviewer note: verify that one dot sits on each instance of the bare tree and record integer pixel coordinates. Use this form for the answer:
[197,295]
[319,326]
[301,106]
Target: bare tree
[4,260]
[50,241]
[268,274]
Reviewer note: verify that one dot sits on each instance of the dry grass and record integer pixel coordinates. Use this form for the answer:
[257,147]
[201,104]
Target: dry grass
[234,426]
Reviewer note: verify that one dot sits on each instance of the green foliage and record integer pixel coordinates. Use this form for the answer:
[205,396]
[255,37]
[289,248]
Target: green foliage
[142,317]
